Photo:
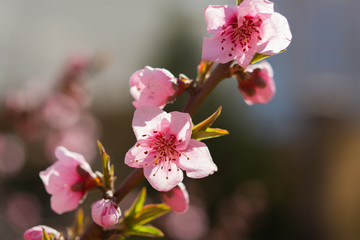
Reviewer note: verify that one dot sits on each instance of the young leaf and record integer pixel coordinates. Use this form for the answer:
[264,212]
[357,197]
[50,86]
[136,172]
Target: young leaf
[209,133]
[77,227]
[45,235]
[137,205]
[108,171]
[150,212]
[147,231]
[207,122]
[258,57]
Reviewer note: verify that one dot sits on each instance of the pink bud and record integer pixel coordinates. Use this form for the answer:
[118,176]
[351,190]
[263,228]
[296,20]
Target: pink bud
[258,86]
[153,87]
[36,233]
[105,213]
[177,198]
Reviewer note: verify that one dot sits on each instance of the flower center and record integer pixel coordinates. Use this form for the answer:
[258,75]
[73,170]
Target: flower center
[241,36]
[161,149]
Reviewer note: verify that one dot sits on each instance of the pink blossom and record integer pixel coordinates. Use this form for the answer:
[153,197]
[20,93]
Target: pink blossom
[241,31]
[105,213]
[164,147]
[258,85]
[61,111]
[177,198]
[36,233]
[67,180]
[152,87]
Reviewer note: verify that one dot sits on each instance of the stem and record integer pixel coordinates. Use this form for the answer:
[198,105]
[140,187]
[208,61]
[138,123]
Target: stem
[220,72]
[134,179]
[238,2]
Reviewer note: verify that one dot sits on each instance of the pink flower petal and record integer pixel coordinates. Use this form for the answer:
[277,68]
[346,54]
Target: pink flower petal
[217,16]
[212,50]
[181,127]
[65,200]
[161,178]
[146,120]
[139,156]
[196,160]
[253,7]
[244,58]
[177,198]
[56,177]
[276,34]
[70,159]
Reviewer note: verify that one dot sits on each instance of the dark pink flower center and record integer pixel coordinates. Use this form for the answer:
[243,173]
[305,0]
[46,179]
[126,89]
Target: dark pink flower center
[161,149]
[251,81]
[241,34]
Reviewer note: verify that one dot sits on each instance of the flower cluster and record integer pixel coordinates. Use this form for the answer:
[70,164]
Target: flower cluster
[167,144]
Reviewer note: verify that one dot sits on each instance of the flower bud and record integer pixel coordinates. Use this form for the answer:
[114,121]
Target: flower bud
[153,87]
[177,198]
[36,233]
[105,213]
[256,83]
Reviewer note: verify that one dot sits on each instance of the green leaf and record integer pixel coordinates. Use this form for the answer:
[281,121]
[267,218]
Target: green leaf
[203,131]
[136,206]
[150,212]
[78,225]
[258,57]
[209,133]
[45,235]
[147,231]
[207,122]
[108,169]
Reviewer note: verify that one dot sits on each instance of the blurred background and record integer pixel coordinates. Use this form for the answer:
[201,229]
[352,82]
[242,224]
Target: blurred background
[289,169]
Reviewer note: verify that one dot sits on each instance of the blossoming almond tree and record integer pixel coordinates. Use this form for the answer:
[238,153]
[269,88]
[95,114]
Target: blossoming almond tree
[169,143]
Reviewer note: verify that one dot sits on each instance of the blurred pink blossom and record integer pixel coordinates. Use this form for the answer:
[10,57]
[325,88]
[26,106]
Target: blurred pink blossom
[80,138]
[23,210]
[152,87]
[105,213]
[12,155]
[177,198]
[60,111]
[241,31]
[191,225]
[67,180]
[36,233]
[164,147]
[258,85]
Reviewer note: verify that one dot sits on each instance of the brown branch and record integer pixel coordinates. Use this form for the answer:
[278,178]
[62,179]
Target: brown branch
[221,72]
